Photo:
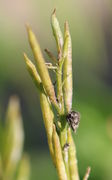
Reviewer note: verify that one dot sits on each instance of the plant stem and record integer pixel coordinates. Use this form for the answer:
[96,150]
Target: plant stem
[60,141]
[63,140]
[72,158]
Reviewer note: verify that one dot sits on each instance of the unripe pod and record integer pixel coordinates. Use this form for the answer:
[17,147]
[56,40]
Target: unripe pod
[67,69]
[42,69]
[57,33]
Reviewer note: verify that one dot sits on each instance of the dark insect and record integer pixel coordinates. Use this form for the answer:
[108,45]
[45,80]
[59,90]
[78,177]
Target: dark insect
[66,147]
[73,119]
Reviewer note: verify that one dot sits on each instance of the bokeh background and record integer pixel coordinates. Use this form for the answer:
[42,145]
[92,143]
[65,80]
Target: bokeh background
[91,30]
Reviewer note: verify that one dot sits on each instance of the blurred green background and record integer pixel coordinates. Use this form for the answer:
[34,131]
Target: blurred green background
[91,30]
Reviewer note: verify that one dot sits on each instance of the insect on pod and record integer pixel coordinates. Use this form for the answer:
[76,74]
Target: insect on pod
[73,119]
[66,147]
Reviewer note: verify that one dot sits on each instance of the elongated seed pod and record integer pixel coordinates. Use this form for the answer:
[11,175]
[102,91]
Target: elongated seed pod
[58,156]
[48,117]
[67,69]
[33,72]
[59,41]
[14,138]
[57,33]
[47,112]
[72,158]
[42,69]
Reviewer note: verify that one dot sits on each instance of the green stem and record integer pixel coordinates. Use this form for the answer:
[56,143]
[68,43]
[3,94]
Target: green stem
[63,132]
[72,157]
[63,140]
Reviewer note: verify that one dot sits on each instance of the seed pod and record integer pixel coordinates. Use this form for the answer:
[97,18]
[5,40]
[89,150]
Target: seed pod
[33,72]
[14,137]
[57,33]
[72,157]
[42,69]
[47,112]
[73,119]
[67,69]
[48,117]
[58,156]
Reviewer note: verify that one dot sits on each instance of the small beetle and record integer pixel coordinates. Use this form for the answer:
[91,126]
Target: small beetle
[73,119]
[66,147]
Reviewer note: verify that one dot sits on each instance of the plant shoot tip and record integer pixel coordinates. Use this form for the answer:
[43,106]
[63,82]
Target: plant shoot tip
[54,11]
[27,26]
[66,25]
